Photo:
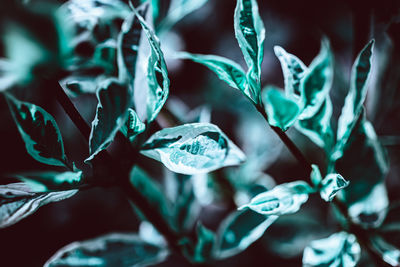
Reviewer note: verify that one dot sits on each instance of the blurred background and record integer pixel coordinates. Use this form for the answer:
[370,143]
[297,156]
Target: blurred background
[297,26]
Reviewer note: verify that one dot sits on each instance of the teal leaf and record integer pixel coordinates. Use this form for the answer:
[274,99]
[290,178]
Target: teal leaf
[151,190]
[282,199]
[157,74]
[239,230]
[117,249]
[282,111]
[331,185]
[8,77]
[202,251]
[355,98]
[133,126]
[389,253]
[389,230]
[363,162]
[317,81]
[250,33]
[39,131]
[78,85]
[51,181]
[113,102]
[318,127]
[315,175]
[226,69]
[18,201]
[340,249]
[293,71]
[193,148]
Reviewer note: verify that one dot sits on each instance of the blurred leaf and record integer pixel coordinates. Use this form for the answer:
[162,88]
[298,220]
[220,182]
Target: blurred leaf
[8,77]
[193,148]
[149,234]
[51,181]
[293,71]
[18,201]
[315,175]
[390,254]
[317,81]
[109,250]
[390,228]
[202,250]
[133,126]
[151,190]
[282,199]
[282,111]
[250,33]
[239,230]
[331,185]
[157,74]
[340,249]
[318,126]
[226,69]
[39,131]
[113,102]
[355,98]
[78,85]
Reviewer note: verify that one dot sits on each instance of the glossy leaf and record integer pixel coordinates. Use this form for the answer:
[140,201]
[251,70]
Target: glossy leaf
[157,74]
[317,81]
[355,98]
[113,102]
[282,199]
[250,33]
[124,250]
[226,69]
[239,230]
[51,181]
[340,249]
[318,127]
[331,185]
[39,131]
[282,111]
[293,71]
[193,148]
[133,126]
[18,201]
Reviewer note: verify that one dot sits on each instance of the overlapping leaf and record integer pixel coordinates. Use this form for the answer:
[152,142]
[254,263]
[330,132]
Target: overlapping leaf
[51,181]
[331,185]
[193,148]
[133,126]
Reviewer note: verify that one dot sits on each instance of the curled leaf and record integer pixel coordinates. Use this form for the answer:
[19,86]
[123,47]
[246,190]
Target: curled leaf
[331,185]
[133,126]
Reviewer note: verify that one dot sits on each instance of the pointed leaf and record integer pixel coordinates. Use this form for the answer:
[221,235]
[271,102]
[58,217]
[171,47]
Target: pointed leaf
[39,131]
[124,250]
[239,230]
[250,33]
[133,126]
[340,249]
[193,148]
[18,201]
[282,199]
[318,127]
[317,81]
[282,111]
[113,102]
[356,96]
[226,69]
[293,71]
[331,185]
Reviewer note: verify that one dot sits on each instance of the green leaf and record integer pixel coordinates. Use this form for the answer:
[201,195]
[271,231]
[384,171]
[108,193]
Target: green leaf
[293,71]
[113,102]
[18,201]
[250,33]
[193,148]
[157,76]
[133,126]
[124,250]
[282,199]
[39,131]
[318,126]
[282,111]
[317,81]
[355,98]
[340,249]
[151,190]
[363,162]
[51,181]
[226,69]
[331,185]
[239,230]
